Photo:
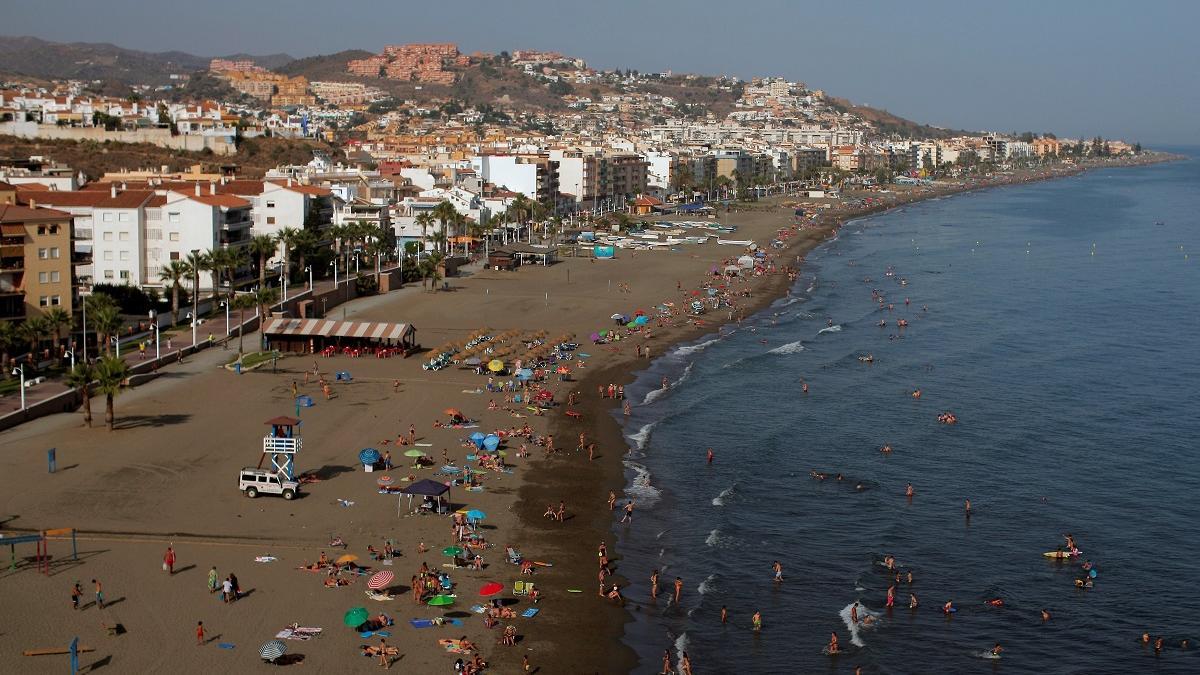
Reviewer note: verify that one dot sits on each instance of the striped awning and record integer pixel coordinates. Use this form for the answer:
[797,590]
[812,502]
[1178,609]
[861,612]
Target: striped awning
[369,330]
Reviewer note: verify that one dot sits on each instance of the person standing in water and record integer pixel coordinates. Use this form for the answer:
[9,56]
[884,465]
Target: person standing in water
[678,589]
[778,567]
[710,455]
[756,621]
[654,584]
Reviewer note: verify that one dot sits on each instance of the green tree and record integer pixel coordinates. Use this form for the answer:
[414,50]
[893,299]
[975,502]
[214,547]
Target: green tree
[242,303]
[80,378]
[10,339]
[197,263]
[111,374]
[59,320]
[424,221]
[174,273]
[287,237]
[263,246]
[445,213]
[35,329]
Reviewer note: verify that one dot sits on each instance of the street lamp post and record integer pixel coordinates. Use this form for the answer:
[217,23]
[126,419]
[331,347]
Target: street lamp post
[116,342]
[310,276]
[157,341]
[225,304]
[335,282]
[283,283]
[193,320]
[323,301]
[71,354]
[20,370]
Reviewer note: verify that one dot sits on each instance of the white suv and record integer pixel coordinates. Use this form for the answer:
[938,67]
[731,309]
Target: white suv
[260,481]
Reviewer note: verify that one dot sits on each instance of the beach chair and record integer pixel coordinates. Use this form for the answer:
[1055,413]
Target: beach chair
[519,588]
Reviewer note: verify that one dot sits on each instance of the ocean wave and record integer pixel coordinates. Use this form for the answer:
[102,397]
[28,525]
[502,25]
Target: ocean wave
[790,348]
[716,539]
[719,500]
[640,487]
[642,435]
[654,394]
[836,328]
[856,628]
[688,350]
[708,585]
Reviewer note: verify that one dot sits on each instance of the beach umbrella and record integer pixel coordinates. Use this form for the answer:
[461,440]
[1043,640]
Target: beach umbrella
[641,320]
[380,580]
[273,649]
[413,453]
[453,412]
[368,456]
[476,514]
[563,370]
[491,442]
[478,436]
[603,333]
[595,336]
[524,374]
[349,557]
[491,588]
[385,480]
[616,316]
[473,361]
[356,617]
[495,365]
[451,551]
[440,601]
[640,312]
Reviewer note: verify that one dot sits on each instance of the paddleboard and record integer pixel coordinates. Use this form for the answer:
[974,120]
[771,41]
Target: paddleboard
[1061,554]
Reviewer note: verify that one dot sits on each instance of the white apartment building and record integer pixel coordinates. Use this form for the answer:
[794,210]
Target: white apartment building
[119,236]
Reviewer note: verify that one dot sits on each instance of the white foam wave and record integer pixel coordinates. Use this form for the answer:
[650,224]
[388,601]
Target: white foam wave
[653,395]
[856,628]
[790,348]
[708,585]
[836,328]
[642,435]
[716,539]
[719,500]
[699,347]
[681,643]
[640,487]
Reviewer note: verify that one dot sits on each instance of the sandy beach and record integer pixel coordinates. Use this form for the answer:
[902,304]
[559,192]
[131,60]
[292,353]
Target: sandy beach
[167,476]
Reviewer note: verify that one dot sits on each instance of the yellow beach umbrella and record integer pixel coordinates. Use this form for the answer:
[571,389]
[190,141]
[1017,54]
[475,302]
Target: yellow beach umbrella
[495,365]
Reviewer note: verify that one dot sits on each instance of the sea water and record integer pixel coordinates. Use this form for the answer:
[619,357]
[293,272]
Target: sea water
[1062,327]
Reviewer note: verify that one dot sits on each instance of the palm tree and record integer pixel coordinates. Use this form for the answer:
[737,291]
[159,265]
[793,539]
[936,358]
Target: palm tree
[445,212]
[242,303]
[265,297]
[9,339]
[218,259]
[111,374]
[80,378]
[106,321]
[58,320]
[424,221]
[174,273]
[263,246]
[287,236]
[304,246]
[34,329]
[196,262]
[235,259]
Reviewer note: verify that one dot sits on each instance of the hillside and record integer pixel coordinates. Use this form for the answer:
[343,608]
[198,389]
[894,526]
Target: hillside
[254,157]
[323,67]
[34,57]
[886,122]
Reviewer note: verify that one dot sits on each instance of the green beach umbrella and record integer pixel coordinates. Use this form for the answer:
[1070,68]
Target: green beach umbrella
[356,617]
[413,453]
[451,551]
[440,601]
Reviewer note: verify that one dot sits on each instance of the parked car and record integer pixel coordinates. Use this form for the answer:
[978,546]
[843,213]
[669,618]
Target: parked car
[254,482]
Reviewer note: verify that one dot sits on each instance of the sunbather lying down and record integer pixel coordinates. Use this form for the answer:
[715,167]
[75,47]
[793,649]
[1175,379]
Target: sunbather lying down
[334,582]
[370,650]
[380,596]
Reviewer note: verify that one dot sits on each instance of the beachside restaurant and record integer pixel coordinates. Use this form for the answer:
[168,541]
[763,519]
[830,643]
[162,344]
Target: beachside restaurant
[524,255]
[311,336]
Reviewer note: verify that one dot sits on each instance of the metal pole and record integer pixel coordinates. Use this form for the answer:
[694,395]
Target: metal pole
[85,328]
[310,278]
[157,342]
[21,368]
[227,329]
[117,342]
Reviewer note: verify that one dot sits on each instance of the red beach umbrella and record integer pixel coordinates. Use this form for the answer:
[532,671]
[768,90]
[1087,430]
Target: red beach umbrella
[380,580]
[491,588]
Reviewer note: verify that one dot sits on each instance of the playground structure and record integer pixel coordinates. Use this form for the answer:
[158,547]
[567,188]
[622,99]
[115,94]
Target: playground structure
[282,444]
[42,541]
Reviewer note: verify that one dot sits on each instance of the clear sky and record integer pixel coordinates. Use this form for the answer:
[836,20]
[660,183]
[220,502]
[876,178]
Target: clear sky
[1121,69]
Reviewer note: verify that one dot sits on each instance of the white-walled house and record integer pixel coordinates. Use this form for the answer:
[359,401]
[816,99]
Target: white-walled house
[118,235]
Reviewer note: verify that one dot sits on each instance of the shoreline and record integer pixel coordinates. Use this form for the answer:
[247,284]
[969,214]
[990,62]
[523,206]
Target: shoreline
[608,651]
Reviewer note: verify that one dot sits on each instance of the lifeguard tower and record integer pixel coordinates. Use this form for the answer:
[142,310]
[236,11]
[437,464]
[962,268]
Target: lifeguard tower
[281,444]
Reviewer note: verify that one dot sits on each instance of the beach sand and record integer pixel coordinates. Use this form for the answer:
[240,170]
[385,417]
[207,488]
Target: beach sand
[167,475]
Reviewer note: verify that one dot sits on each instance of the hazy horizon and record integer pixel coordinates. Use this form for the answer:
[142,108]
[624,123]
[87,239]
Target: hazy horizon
[1069,67]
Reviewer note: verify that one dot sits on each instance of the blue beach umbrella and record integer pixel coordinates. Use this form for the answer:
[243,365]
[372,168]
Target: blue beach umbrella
[272,650]
[476,514]
[641,320]
[524,374]
[491,442]
[368,456]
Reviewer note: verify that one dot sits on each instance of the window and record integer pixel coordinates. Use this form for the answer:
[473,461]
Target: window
[108,255]
[123,236]
[154,234]
[108,236]
[41,229]
[125,275]
[173,217]
[124,217]
[44,301]
[42,254]
[174,255]
[174,236]
[108,274]
[53,229]
[54,252]
[124,255]
[108,217]
[270,205]
[55,300]
[43,277]
[155,253]
[54,277]
[270,220]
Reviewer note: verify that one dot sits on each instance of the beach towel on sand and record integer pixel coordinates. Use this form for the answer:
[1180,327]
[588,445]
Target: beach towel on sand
[429,623]
[453,646]
[530,613]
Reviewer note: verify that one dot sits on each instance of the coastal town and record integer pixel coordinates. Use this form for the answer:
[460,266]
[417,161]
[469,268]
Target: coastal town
[398,298]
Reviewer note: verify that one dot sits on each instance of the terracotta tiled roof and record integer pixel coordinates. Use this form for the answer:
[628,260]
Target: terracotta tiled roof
[39,187]
[241,187]
[129,199]
[305,189]
[12,213]
[57,198]
[225,201]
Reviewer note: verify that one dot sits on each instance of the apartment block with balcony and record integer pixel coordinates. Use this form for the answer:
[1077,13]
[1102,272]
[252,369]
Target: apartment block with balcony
[35,261]
[624,174]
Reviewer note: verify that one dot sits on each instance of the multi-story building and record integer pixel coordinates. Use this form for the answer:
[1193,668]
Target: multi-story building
[419,62]
[35,261]
[533,175]
[623,174]
[1046,146]
[578,173]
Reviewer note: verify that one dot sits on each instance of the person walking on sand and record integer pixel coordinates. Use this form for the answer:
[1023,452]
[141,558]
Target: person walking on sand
[213,583]
[169,560]
[678,589]
[199,633]
[383,655]
[76,593]
[412,434]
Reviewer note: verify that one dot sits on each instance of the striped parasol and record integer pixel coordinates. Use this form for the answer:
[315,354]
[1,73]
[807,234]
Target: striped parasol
[380,580]
[385,481]
[272,650]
